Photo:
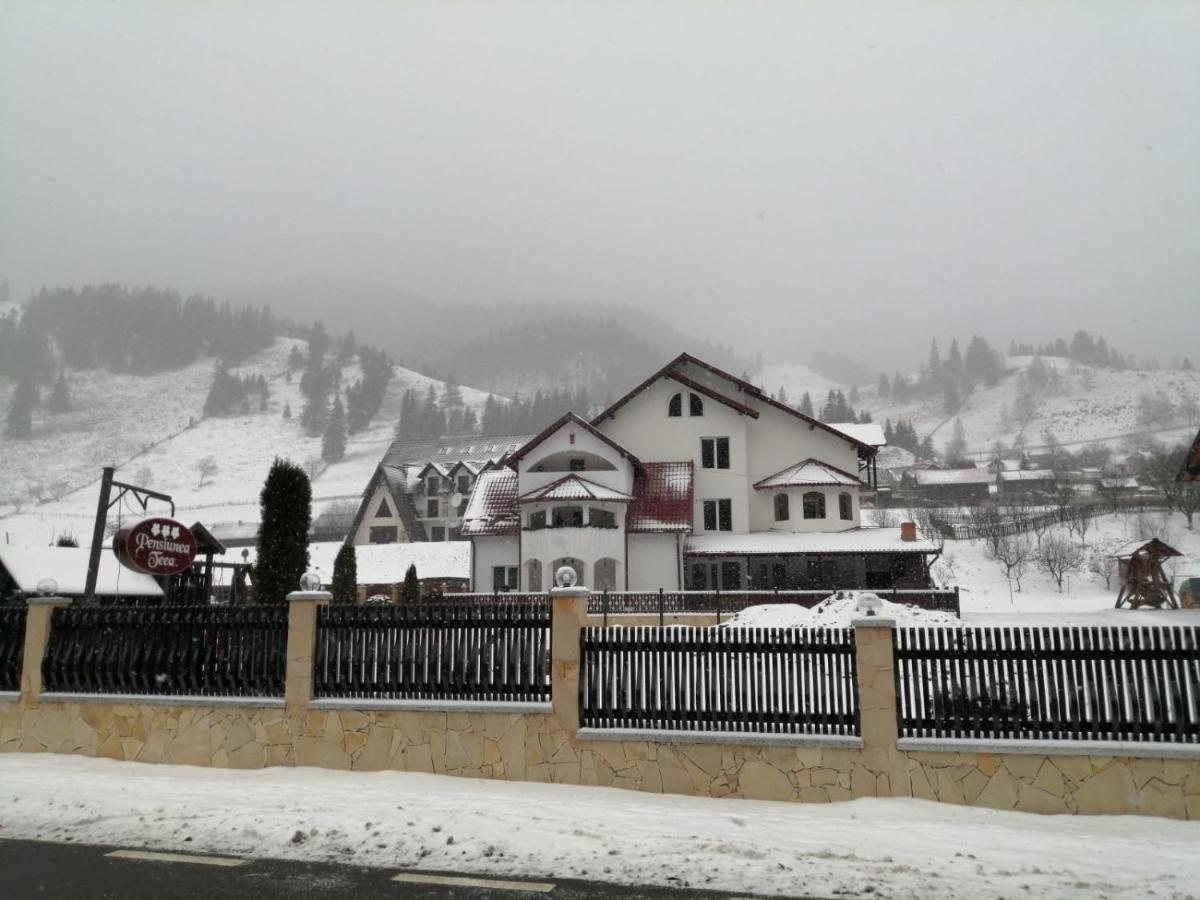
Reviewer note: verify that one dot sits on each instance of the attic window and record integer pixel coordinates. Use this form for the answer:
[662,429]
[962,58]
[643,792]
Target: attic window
[695,405]
[675,405]
[384,511]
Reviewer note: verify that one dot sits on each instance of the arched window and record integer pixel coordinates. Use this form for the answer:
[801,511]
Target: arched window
[605,574]
[814,505]
[781,507]
[845,506]
[533,575]
[695,405]
[675,405]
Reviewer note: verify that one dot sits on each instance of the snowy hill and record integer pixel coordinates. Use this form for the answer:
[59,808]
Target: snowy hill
[1089,405]
[796,379]
[141,424]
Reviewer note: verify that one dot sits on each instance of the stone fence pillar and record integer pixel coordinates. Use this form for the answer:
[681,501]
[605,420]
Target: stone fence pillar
[569,615]
[880,719]
[302,648]
[37,634]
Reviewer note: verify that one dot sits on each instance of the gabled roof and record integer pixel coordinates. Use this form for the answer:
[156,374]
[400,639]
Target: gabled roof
[397,487]
[662,498]
[1028,475]
[554,427]
[1147,548]
[476,447]
[437,468]
[809,472]
[492,507]
[572,487]
[672,370]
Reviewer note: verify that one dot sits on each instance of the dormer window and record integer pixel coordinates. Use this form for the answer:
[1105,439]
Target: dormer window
[695,405]
[675,405]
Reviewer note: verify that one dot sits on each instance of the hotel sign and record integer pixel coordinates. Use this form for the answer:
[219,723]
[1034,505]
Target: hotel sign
[156,546]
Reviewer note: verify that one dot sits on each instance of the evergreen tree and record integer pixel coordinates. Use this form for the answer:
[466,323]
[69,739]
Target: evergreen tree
[333,443]
[925,450]
[411,592]
[806,406]
[935,360]
[782,397]
[286,513]
[345,575]
[60,398]
[20,410]
[885,388]
[287,410]
[956,450]
[451,394]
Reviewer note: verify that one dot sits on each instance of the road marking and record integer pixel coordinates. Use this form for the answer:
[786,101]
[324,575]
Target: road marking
[151,856]
[533,887]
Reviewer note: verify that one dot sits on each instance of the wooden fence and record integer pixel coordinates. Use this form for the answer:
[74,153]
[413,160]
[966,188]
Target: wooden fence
[234,651]
[12,646]
[1079,684]
[762,680]
[495,651]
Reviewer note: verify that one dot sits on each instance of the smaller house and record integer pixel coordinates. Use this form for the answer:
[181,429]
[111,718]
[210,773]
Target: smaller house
[22,569]
[1026,481]
[950,487]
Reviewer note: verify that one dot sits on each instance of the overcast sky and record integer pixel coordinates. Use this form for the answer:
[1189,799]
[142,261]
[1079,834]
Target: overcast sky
[768,172]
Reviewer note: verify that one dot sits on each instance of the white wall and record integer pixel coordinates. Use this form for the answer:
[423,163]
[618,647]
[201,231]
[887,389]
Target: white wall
[370,520]
[762,516]
[653,562]
[644,428]
[502,550]
[585,544]
[621,478]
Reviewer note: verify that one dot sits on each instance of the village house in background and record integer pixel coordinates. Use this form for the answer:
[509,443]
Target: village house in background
[695,479]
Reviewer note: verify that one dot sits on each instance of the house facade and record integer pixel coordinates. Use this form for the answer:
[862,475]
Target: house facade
[696,480]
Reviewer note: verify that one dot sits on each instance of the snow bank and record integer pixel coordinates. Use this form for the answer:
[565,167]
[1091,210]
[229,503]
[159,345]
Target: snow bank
[889,849]
[836,612]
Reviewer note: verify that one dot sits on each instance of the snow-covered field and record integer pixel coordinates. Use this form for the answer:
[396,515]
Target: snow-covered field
[890,849]
[143,423]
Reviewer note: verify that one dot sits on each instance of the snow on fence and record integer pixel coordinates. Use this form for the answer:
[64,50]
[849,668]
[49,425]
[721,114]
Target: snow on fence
[1080,684]
[719,603]
[168,650]
[759,680]
[496,651]
[12,646]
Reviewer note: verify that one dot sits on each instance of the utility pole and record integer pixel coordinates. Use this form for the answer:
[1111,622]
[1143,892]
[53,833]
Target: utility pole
[141,494]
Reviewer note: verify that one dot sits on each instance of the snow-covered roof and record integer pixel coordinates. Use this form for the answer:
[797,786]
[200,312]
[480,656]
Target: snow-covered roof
[384,563]
[572,487]
[864,432]
[808,472]
[662,498]
[854,540]
[938,477]
[68,566]
[1128,483]
[473,447]
[491,509]
[1028,475]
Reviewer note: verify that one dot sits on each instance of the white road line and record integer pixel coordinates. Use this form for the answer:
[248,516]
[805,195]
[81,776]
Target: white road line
[151,856]
[533,887]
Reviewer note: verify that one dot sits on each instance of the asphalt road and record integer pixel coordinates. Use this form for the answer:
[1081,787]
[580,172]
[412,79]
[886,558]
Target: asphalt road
[40,869]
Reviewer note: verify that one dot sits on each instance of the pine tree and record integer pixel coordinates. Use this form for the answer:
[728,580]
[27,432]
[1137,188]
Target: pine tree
[20,410]
[411,592]
[286,513]
[333,443]
[60,398]
[287,410]
[806,406]
[345,575]
[782,395]
[956,450]
[885,388]
[451,394]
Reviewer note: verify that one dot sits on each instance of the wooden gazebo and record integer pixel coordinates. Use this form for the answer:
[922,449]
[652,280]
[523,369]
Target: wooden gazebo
[1143,581]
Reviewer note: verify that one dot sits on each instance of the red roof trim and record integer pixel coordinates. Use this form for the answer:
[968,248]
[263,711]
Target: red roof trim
[516,456]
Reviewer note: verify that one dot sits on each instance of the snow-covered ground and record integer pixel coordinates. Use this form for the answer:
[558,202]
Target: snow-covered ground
[143,423]
[796,380]
[889,849]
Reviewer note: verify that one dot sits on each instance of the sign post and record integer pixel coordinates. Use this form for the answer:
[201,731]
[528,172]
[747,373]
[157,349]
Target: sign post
[107,483]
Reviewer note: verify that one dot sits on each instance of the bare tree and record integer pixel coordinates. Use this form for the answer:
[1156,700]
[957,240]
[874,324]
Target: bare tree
[208,468]
[1103,565]
[313,466]
[1187,500]
[16,501]
[990,525]
[58,490]
[1081,521]
[143,476]
[37,492]
[1014,552]
[1060,556]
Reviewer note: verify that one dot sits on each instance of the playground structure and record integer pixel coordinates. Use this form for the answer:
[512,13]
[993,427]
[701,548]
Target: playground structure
[1143,581]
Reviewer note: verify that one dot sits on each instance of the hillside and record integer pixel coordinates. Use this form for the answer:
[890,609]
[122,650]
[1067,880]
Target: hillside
[141,424]
[1089,405]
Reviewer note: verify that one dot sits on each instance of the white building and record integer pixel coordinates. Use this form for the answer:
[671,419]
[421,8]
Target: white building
[695,479]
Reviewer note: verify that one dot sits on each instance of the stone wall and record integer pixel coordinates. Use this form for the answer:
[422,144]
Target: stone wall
[543,742]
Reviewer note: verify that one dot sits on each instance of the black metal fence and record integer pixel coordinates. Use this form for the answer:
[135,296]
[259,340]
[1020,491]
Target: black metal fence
[1079,684]
[168,650]
[495,651]
[12,646]
[722,603]
[761,680]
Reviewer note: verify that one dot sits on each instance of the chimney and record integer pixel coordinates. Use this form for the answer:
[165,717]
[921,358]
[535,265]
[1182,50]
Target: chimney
[908,531]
